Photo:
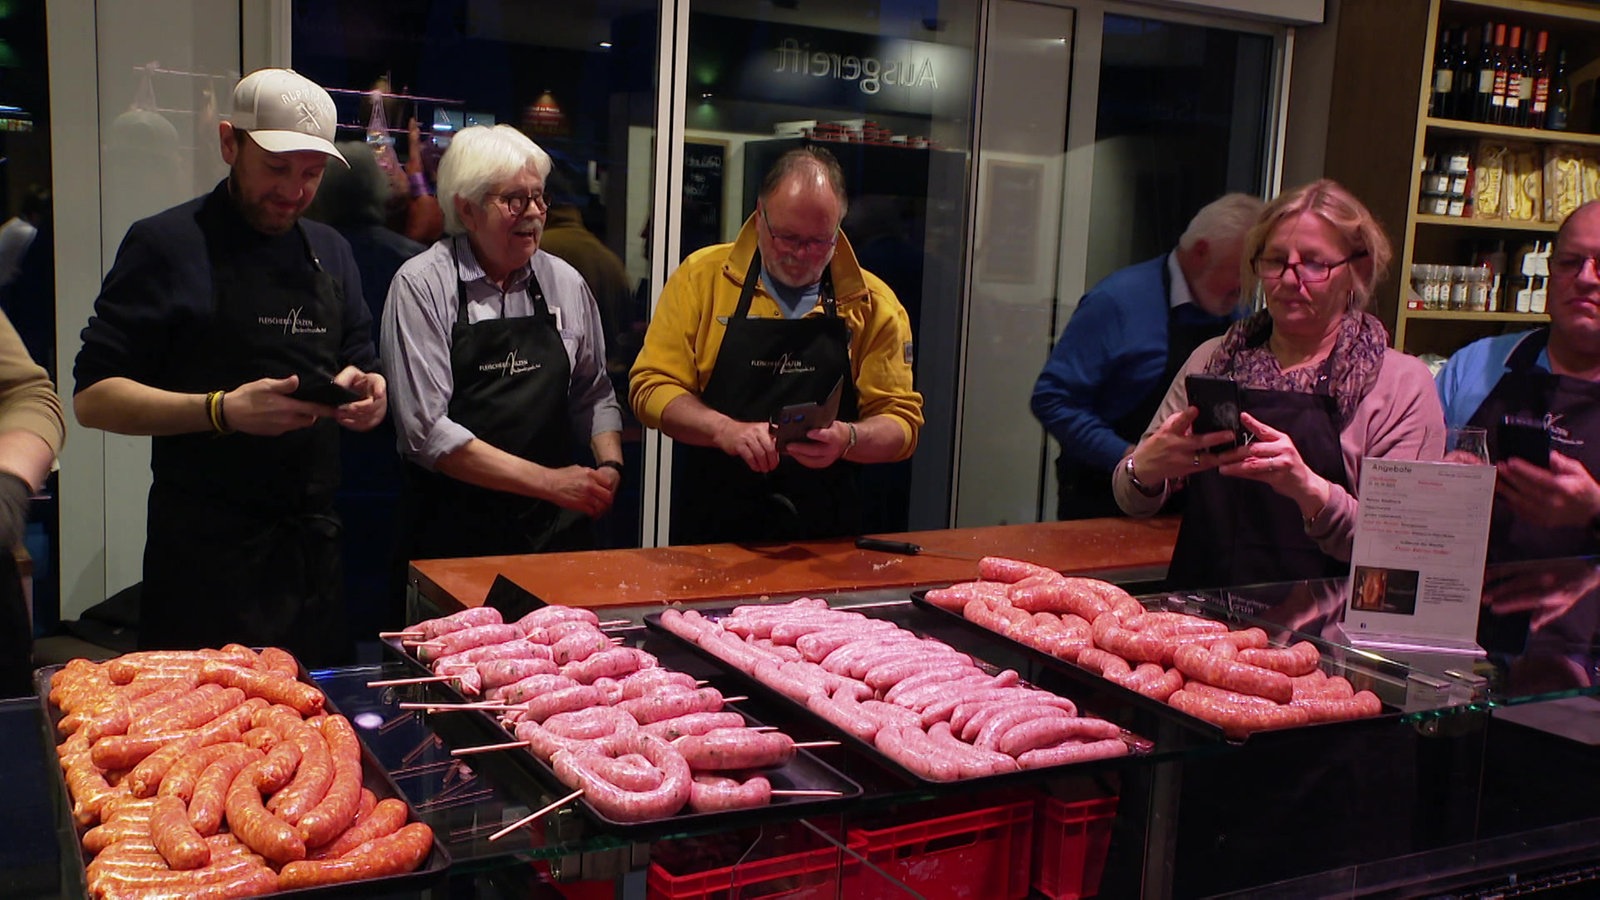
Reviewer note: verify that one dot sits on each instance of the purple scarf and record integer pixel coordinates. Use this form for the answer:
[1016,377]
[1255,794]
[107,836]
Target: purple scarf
[1352,365]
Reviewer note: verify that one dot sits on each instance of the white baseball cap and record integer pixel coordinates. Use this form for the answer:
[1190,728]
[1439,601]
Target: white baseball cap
[285,111]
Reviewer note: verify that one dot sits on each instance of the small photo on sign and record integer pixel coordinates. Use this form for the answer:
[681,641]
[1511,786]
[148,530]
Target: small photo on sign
[1391,591]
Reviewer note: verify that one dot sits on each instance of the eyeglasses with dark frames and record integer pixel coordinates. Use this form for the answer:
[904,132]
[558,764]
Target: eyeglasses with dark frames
[807,246]
[517,204]
[1307,271]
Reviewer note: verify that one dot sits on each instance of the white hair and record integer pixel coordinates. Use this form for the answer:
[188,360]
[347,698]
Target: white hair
[479,158]
[1224,219]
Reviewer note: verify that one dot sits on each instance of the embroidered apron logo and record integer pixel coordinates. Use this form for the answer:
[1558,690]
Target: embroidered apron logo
[511,365]
[783,365]
[293,323]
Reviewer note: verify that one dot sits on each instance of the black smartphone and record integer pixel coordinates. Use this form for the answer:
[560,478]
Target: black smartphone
[1523,440]
[324,392]
[792,422]
[1218,401]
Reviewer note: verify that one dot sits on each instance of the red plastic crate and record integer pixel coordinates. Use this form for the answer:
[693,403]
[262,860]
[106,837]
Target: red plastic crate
[806,875]
[1070,846]
[978,855]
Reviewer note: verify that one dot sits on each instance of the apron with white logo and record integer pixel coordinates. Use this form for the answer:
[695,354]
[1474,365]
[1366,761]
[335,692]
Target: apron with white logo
[763,365]
[243,542]
[511,377]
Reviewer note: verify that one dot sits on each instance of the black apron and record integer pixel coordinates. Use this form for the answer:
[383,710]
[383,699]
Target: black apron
[243,543]
[1571,408]
[1084,491]
[511,378]
[763,365]
[1237,531]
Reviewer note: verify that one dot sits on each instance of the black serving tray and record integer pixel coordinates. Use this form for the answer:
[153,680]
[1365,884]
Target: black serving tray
[1077,674]
[804,772]
[373,777]
[1138,746]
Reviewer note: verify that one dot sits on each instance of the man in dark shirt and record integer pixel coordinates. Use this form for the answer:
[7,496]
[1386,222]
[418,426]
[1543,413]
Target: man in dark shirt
[216,314]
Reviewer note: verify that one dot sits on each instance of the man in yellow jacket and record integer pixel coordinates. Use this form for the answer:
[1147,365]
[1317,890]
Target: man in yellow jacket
[782,316]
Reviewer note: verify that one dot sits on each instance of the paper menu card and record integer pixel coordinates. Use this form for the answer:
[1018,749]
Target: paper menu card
[1416,570]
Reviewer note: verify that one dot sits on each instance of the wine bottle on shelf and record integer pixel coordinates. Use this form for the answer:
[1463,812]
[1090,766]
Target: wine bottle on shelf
[1511,53]
[1525,79]
[1483,102]
[1557,116]
[1466,77]
[1444,74]
[1539,105]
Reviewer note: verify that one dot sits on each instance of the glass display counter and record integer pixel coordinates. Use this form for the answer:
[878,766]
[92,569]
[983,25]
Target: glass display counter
[1478,761]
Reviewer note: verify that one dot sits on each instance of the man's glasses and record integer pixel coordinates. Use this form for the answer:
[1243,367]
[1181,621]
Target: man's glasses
[517,204]
[796,245]
[1568,265]
[1307,271]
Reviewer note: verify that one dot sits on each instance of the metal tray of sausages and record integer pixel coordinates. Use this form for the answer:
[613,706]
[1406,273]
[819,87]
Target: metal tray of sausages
[373,777]
[804,772]
[1104,687]
[1139,747]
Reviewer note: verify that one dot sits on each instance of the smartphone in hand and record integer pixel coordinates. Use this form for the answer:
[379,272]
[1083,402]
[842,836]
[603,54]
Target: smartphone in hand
[324,391]
[792,422]
[1523,440]
[1218,400]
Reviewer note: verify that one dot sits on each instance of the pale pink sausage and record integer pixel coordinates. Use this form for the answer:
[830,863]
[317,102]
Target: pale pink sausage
[712,793]
[467,618]
[454,642]
[1203,665]
[1037,733]
[693,723]
[1299,658]
[586,724]
[736,748]
[613,802]
[1064,754]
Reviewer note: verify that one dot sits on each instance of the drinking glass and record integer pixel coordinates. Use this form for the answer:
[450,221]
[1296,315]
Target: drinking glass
[1467,444]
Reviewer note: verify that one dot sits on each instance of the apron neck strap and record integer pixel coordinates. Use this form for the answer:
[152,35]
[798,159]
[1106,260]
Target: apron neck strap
[1526,354]
[535,292]
[830,305]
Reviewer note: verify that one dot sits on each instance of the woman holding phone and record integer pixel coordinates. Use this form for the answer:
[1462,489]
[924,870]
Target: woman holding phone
[1317,389]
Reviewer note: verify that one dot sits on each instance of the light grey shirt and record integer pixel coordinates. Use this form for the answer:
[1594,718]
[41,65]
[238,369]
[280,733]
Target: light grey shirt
[420,313]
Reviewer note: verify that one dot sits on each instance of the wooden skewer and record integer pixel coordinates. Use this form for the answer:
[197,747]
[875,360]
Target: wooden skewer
[817,744]
[777,793]
[733,699]
[486,748]
[528,819]
[423,643]
[400,634]
[393,682]
[612,623]
[495,705]
[763,728]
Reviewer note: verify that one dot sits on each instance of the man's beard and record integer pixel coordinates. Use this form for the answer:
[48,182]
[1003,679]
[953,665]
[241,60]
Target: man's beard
[255,213]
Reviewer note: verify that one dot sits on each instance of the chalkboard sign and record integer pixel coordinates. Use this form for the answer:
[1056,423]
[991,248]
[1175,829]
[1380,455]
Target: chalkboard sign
[703,163]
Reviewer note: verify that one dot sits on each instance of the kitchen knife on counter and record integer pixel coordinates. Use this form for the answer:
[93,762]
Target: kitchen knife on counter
[906,548]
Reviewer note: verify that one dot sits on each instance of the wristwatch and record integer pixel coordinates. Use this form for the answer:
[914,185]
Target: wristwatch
[1140,486]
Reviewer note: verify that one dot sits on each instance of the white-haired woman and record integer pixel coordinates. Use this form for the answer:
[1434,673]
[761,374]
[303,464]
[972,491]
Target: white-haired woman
[497,365]
[1319,390]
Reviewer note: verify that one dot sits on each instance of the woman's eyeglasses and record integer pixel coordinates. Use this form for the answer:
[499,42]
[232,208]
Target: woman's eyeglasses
[1307,271]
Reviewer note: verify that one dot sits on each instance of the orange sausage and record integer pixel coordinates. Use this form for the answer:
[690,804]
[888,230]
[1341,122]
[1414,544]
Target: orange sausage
[398,853]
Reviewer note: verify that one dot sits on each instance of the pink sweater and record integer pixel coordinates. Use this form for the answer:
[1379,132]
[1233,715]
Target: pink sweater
[1400,418]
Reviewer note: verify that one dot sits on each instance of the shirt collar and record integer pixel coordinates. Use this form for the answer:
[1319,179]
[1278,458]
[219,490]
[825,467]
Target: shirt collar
[1179,294]
[469,271]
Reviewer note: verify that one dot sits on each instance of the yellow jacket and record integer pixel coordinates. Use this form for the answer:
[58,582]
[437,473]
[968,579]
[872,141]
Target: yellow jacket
[681,344]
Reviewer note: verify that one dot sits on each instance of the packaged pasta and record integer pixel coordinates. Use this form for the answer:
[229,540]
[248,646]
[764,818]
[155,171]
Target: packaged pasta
[1488,181]
[1524,183]
[1563,181]
[1591,175]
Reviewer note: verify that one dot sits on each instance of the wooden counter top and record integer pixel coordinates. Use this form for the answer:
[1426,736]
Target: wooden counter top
[1129,548]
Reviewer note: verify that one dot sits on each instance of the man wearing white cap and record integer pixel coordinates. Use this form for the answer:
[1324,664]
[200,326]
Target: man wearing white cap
[236,335]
